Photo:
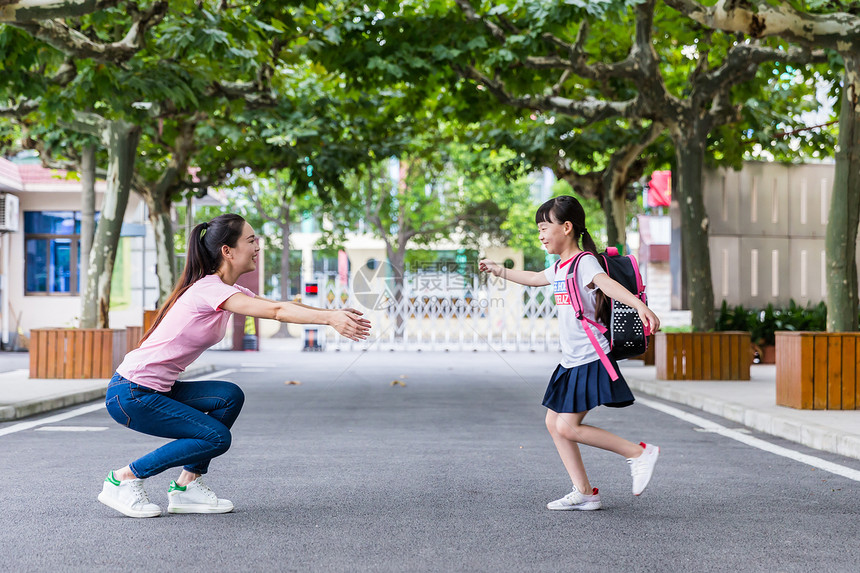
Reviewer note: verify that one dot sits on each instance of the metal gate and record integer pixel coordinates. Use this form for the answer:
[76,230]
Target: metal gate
[444,312]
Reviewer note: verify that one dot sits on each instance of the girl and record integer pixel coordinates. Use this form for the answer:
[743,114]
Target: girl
[146,396]
[581,382]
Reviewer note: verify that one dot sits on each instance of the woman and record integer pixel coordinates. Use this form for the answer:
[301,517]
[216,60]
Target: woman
[145,395]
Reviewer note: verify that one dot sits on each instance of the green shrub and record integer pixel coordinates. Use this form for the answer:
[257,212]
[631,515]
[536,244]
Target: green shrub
[762,324]
[670,329]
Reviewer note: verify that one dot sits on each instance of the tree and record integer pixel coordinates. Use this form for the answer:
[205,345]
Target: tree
[435,189]
[299,164]
[820,26]
[46,81]
[204,63]
[705,103]
[600,162]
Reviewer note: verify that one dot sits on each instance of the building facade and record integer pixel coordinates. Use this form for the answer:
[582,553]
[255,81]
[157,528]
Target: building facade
[39,259]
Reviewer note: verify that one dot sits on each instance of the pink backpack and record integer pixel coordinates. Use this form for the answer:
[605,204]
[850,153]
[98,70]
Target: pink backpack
[627,335]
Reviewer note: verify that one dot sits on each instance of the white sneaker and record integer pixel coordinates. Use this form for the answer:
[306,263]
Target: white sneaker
[642,467]
[195,497]
[576,500]
[128,497]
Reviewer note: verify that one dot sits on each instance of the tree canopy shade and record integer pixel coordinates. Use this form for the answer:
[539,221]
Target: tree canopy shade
[590,62]
[50,63]
[172,71]
[315,92]
[815,25]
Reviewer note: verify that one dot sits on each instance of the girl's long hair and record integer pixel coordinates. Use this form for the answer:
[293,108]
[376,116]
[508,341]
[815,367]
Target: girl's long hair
[203,257]
[566,208]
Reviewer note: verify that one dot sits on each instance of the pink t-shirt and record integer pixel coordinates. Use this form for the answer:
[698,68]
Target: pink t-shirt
[193,324]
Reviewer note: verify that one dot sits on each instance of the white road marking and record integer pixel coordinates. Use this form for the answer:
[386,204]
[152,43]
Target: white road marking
[52,419]
[72,429]
[751,441]
[211,375]
[86,410]
[711,431]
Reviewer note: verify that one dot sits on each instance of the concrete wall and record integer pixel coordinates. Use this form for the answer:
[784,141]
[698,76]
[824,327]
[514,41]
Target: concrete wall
[767,230]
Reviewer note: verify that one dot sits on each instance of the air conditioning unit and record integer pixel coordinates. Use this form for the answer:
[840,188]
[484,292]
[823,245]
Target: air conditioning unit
[8,212]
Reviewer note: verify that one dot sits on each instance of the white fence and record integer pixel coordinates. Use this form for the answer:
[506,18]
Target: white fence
[445,312]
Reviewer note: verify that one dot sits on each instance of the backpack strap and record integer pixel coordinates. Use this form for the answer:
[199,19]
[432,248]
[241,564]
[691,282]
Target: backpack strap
[587,324]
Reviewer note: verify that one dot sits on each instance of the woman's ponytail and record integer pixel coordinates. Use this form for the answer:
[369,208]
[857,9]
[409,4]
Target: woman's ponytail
[198,260]
[202,257]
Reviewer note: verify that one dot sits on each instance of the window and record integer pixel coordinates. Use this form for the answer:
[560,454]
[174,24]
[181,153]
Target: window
[52,244]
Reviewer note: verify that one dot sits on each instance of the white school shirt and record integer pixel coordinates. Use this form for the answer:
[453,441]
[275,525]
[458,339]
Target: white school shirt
[576,347]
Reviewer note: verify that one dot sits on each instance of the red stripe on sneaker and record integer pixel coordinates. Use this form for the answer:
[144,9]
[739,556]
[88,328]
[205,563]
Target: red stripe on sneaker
[594,491]
[643,444]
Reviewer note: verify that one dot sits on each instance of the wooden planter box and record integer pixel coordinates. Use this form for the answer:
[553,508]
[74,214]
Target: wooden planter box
[76,352]
[703,355]
[133,334]
[148,319]
[818,370]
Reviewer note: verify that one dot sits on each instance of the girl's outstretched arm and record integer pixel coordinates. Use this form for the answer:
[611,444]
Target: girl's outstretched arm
[613,289]
[347,322]
[528,278]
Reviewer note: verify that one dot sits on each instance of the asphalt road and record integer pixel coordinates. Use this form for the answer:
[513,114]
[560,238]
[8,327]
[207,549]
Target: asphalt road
[450,472]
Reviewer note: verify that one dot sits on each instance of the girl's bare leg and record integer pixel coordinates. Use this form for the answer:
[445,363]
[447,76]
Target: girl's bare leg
[570,427]
[570,456]
[568,431]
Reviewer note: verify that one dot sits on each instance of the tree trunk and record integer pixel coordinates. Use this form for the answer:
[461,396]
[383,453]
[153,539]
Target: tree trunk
[159,198]
[88,211]
[286,230]
[625,166]
[397,259]
[609,208]
[619,215]
[28,10]
[121,139]
[840,244]
[690,153]
[165,257]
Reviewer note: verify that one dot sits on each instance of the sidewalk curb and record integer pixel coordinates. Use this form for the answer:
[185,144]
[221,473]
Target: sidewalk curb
[198,371]
[58,401]
[807,434]
[42,405]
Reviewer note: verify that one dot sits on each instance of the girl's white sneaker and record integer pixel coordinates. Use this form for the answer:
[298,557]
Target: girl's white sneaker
[195,497]
[576,500]
[642,467]
[128,497]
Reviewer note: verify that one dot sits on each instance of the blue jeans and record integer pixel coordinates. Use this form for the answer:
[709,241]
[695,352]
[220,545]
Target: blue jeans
[197,415]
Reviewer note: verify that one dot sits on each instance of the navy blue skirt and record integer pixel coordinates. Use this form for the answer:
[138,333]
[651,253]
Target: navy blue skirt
[584,387]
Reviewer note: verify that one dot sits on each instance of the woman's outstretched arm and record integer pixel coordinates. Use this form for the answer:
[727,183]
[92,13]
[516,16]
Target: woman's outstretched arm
[348,322]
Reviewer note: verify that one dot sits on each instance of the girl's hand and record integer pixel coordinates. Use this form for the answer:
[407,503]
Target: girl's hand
[349,323]
[488,266]
[649,319]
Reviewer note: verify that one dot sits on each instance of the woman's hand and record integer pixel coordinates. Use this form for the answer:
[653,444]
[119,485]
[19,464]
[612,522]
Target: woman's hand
[488,266]
[350,323]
